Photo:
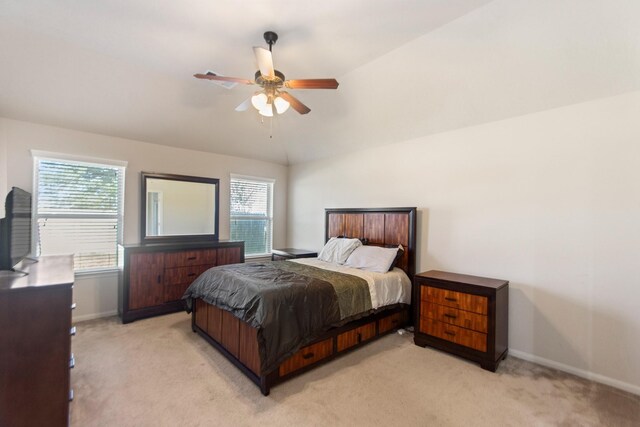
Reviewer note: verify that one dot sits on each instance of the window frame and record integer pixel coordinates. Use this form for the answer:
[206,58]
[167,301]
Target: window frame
[77,160]
[270,203]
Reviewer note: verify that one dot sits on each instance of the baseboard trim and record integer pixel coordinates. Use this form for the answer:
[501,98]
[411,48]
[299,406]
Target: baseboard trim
[91,316]
[631,388]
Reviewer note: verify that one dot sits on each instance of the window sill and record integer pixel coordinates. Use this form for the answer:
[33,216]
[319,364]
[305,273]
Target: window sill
[267,255]
[257,258]
[97,273]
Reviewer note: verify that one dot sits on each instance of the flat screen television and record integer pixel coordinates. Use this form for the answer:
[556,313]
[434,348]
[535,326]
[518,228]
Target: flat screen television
[15,229]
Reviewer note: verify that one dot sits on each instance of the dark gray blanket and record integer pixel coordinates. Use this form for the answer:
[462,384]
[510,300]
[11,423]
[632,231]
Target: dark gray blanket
[289,303]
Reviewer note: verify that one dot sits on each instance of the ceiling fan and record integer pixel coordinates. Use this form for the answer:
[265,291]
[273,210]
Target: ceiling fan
[272,82]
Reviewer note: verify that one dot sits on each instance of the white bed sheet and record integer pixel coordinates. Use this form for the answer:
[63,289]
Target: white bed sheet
[388,288]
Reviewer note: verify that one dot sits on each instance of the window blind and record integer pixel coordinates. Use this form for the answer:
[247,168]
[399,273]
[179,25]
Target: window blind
[251,214]
[79,211]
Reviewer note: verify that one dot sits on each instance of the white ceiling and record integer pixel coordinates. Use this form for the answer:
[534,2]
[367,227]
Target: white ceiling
[124,67]
[406,68]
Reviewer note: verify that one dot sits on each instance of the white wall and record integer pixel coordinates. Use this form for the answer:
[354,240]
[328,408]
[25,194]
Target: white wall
[549,201]
[97,295]
[3,167]
[505,59]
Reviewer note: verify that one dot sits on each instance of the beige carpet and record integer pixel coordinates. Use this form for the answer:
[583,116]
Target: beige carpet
[156,372]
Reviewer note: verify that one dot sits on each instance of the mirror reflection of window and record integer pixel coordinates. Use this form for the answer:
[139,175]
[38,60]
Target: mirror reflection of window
[177,208]
[154,213]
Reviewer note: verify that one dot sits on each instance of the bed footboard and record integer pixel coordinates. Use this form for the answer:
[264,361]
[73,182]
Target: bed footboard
[238,342]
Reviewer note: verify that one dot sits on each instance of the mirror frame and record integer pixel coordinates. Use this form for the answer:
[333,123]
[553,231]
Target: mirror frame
[184,237]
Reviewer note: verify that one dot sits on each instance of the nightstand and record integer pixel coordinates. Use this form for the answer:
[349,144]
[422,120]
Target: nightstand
[291,253]
[464,315]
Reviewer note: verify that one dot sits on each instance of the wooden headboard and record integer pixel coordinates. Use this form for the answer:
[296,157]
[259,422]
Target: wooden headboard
[377,226]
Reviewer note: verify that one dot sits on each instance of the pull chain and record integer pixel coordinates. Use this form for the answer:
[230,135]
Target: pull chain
[270,125]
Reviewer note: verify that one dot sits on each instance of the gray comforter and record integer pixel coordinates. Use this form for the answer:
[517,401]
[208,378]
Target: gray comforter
[289,303]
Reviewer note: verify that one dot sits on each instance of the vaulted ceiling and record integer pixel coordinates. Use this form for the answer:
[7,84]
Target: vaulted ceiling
[406,68]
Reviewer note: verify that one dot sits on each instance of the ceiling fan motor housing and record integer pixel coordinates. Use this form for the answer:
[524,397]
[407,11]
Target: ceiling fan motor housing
[278,80]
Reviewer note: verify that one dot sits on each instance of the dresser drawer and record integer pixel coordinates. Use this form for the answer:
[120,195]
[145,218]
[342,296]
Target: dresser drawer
[177,280]
[188,258]
[306,356]
[464,319]
[183,275]
[455,334]
[356,336]
[468,302]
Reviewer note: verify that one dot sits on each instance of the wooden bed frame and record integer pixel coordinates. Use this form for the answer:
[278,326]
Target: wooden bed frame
[237,340]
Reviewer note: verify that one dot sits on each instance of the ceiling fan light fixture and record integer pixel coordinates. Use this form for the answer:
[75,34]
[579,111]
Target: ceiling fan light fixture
[259,100]
[271,83]
[281,104]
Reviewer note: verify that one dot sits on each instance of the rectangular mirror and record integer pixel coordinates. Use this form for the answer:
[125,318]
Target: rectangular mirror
[178,208]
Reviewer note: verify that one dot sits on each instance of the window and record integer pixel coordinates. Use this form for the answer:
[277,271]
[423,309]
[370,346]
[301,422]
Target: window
[78,209]
[252,214]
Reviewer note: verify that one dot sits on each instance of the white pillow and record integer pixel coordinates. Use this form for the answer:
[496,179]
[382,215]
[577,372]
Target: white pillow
[338,250]
[372,258]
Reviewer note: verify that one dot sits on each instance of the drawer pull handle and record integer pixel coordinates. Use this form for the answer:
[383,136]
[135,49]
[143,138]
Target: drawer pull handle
[191,258]
[72,331]
[73,306]
[449,333]
[72,362]
[451,299]
[71,395]
[307,356]
[451,316]
[191,274]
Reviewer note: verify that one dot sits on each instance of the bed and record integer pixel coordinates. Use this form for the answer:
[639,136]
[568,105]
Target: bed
[258,314]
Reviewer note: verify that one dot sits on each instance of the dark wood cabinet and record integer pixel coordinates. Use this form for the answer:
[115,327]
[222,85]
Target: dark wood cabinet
[35,343]
[230,254]
[145,286]
[464,315]
[154,277]
[291,253]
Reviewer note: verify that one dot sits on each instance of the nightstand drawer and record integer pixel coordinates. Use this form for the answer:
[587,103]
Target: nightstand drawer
[461,336]
[453,316]
[291,253]
[468,302]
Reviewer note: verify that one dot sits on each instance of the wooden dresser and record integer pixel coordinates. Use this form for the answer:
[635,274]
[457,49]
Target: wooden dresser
[35,343]
[153,277]
[464,315]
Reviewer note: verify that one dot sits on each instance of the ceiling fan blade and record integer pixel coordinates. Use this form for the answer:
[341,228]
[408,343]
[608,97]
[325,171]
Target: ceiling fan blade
[312,84]
[223,78]
[246,104]
[265,61]
[295,103]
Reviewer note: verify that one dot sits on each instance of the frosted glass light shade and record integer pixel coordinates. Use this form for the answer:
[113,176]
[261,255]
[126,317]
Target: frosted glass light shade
[267,110]
[259,100]
[281,105]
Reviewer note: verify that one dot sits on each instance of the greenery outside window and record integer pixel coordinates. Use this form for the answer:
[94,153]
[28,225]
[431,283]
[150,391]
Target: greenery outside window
[252,214]
[78,209]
